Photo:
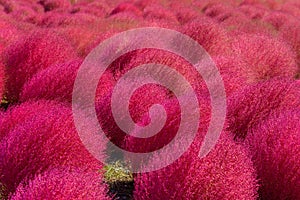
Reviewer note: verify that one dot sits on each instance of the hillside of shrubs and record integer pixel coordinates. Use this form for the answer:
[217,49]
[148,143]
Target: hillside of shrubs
[255,44]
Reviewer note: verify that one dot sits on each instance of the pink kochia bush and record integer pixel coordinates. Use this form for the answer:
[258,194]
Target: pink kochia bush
[170,129]
[288,28]
[226,173]
[190,177]
[55,4]
[9,31]
[255,44]
[19,114]
[164,136]
[275,146]
[184,13]
[63,183]
[253,103]
[212,37]
[45,140]
[264,57]
[96,8]
[53,83]
[2,79]
[57,83]
[156,12]
[127,7]
[139,104]
[147,95]
[38,50]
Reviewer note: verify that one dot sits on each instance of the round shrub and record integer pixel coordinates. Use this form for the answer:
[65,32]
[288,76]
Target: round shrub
[275,148]
[127,7]
[48,139]
[38,50]
[264,57]
[63,183]
[253,103]
[212,37]
[57,83]
[50,5]
[225,173]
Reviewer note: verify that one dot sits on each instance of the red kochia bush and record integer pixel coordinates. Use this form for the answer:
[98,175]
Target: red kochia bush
[2,78]
[82,36]
[225,173]
[127,7]
[288,27]
[19,114]
[55,4]
[97,8]
[37,51]
[170,129]
[26,11]
[56,19]
[275,147]
[212,37]
[53,83]
[218,11]
[63,184]
[57,83]
[264,57]
[157,12]
[48,139]
[254,11]
[9,31]
[264,3]
[292,8]
[171,107]
[230,71]
[253,103]
[148,95]
[279,18]
[183,12]
[139,104]
[80,29]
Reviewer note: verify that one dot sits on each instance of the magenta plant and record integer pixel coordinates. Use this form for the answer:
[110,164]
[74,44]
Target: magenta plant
[212,37]
[10,31]
[2,78]
[171,126]
[63,183]
[231,73]
[226,173]
[218,11]
[155,12]
[57,83]
[25,11]
[292,7]
[288,29]
[255,45]
[255,11]
[19,114]
[161,138]
[45,140]
[39,50]
[184,13]
[253,103]
[139,104]
[264,57]
[50,5]
[53,83]
[99,8]
[275,147]
[127,7]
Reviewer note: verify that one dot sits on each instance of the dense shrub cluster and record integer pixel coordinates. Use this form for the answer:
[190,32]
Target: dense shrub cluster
[255,45]
[63,183]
